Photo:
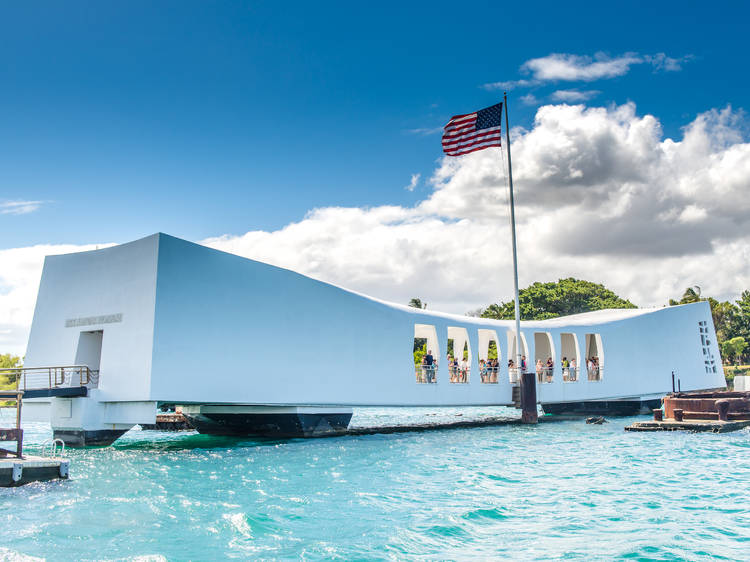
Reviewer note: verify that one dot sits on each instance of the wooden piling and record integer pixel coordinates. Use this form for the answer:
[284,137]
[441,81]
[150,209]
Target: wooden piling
[528,398]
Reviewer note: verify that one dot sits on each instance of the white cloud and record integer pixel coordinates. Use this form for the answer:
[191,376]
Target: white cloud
[19,280]
[573,95]
[19,207]
[413,183]
[425,131]
[530,99]
[510,84]
[583,68]
[600,195]
[559,66]
[660,61]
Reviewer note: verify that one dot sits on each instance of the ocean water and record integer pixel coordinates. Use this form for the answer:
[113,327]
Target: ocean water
[562,490]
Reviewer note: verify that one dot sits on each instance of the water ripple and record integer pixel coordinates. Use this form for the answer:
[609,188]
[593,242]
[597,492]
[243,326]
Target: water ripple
[557,491]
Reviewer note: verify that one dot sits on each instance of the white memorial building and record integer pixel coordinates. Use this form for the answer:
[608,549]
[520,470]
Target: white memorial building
[252,349]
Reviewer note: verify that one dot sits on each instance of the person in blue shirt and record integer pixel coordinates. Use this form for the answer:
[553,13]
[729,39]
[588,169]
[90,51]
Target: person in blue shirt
[429,362]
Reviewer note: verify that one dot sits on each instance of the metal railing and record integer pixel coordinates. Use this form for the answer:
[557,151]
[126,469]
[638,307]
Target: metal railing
[459,374]
[595,372]
[426,374]
[34,378]
[545,374]
[488,373]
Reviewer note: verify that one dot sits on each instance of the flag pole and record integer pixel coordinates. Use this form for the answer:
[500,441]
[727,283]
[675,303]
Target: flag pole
[528,383]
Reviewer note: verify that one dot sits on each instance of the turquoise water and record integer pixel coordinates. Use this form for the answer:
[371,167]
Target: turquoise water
[558,490]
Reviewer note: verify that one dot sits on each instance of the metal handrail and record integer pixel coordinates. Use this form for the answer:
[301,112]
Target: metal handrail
[488,373]
[34,378]
[426,374]
[545,374]
[595,373]
[459,375]
[570,374]
[54,445]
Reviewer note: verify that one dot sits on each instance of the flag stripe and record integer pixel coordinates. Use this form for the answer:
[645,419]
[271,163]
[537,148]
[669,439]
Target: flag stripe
[459,146]
[460,130]
[470,150]
[473,131]
[470,135]
[472,147]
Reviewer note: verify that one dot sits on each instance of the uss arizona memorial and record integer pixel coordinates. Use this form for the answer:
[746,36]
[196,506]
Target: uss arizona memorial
[248,348]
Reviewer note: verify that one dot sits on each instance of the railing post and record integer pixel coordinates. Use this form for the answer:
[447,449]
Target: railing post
[19,436]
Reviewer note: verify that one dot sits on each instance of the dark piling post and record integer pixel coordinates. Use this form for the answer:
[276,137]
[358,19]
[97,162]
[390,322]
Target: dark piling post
[722,407]
[528,398]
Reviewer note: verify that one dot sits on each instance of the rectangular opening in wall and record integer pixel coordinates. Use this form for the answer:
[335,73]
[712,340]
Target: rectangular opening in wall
[89,351]
[459,355]
[544,357]
[514,367]
[489,356]
[594,357]
[569,359]
[89,354]
[425,352]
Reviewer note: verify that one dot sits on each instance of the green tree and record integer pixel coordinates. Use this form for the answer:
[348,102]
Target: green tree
[8,361]
[689,296]
[725,317]
[733,348]
[549,300]
[741,325]
[419,351]
[417,303]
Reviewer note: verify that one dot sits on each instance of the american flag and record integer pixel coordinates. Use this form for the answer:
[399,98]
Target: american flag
[473,131]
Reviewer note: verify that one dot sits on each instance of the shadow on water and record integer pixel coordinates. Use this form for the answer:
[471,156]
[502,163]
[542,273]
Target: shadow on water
[173,442]
[169,441]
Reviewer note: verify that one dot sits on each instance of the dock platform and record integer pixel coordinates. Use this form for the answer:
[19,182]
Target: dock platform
[716,412]
[714,426]
[17,472]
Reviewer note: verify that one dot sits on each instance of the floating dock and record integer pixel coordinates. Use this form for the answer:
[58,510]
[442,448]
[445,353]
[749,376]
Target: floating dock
[16,468]
[17,472]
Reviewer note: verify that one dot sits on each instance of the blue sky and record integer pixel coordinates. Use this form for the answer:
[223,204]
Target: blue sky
[201,119]
[307,135]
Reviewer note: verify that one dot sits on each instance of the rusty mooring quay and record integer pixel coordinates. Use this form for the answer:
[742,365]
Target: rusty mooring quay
[716,412]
